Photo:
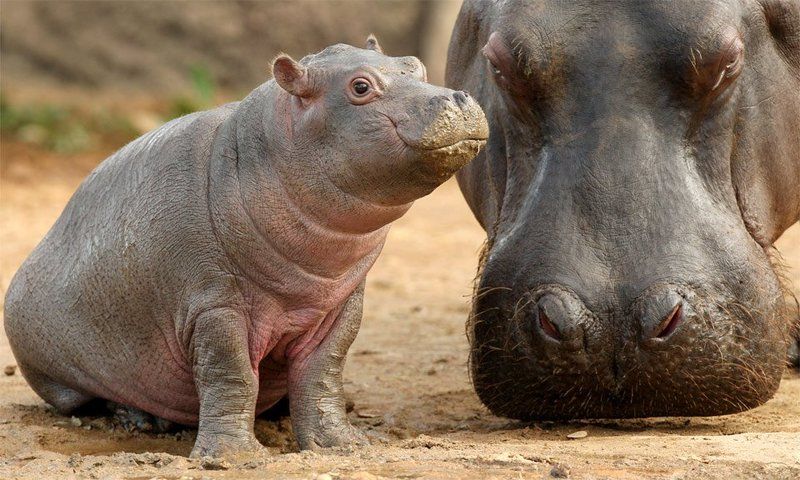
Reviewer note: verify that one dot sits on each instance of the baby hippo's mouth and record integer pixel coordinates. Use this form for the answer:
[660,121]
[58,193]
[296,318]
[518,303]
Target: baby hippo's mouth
[469,144]
[442,162]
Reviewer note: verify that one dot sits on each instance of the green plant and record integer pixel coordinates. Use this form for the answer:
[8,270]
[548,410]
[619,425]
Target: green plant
[201,96]
[61,128]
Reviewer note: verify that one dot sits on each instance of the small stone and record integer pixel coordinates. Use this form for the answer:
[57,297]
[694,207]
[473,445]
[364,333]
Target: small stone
[210,463]
[578,435]
[87,427]
[559,470]
[10,370]
[323,476]
[367,414]
[75,422]
[74,460]
[361,476]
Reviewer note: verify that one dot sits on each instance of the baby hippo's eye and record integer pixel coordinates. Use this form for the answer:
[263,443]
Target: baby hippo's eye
[361,87]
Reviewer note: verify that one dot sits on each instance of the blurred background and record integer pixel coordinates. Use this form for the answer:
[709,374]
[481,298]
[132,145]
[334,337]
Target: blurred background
[76,73]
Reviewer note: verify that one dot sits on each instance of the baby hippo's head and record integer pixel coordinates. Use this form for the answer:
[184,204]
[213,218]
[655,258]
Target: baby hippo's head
[377,128]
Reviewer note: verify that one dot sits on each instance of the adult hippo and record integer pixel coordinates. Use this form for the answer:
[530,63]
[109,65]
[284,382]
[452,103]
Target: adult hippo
[644,156]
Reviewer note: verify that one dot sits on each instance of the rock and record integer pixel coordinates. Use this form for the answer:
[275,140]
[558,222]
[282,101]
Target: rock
[74,460]
[560,470]
[578,435]
[209,463]
[360,476]
[367,414]
[75,422]
[10,370]
[323,476]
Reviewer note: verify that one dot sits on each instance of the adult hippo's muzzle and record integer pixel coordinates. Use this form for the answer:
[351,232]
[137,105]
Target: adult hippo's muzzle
[635,179]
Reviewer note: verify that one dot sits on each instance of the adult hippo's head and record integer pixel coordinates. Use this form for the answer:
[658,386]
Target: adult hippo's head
[643,158]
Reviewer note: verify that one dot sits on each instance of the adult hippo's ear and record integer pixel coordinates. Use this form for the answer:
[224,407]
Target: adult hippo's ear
[292,76]
[783,19]
[372,44]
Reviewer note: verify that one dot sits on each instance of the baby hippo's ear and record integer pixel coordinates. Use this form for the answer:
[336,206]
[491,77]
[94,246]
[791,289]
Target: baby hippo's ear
[372,44]
[291,76]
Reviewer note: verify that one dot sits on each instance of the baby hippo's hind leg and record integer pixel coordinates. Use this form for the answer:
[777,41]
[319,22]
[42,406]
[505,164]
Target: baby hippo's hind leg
[64,399]
[316,396]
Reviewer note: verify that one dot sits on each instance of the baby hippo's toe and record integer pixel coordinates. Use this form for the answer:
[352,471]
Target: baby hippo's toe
[338,436]
[218,446]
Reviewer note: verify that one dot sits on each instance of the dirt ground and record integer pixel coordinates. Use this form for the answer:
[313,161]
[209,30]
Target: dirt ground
[406,375]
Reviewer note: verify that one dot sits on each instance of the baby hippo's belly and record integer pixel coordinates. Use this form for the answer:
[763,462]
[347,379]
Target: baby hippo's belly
[165,388]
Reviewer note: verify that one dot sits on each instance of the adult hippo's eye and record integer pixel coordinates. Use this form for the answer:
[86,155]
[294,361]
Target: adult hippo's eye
[714,68]
[361,87]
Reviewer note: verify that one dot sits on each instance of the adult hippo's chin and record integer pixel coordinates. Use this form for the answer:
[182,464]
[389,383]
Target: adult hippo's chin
[642,161]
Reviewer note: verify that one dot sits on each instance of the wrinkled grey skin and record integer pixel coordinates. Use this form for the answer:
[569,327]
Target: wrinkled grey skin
[217,264]
[644,156]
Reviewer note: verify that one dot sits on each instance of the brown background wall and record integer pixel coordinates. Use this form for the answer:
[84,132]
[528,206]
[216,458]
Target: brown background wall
[150,46]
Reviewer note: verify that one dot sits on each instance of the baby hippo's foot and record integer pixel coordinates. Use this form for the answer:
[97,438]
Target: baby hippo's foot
[794,354]
[131,418]
[328,429]
[225,445]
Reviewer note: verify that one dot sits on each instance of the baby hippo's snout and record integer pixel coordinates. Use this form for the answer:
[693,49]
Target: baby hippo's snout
[447,133]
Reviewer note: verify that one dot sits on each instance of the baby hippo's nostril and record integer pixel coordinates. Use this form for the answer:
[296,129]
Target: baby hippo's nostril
[461,99]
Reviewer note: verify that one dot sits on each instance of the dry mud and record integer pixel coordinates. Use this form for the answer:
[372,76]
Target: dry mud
[406,376]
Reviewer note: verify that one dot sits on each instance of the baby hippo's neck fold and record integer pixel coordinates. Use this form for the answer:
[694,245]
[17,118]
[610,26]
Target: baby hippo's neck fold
[295,232]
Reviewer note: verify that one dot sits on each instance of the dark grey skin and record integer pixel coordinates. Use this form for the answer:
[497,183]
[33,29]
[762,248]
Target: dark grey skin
[217,264]
[644,156]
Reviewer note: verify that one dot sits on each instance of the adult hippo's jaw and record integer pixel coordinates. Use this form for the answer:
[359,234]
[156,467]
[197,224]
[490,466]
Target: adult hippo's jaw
[641,163]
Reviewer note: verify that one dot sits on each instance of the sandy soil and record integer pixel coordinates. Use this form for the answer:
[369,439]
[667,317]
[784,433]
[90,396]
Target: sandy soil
[406,375]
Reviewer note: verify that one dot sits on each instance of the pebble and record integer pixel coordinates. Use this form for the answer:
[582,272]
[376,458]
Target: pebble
[10,370]
[367,414]
[361,476]
[577,435]
[75,422]
[559,470]
[323,476]
[210,463]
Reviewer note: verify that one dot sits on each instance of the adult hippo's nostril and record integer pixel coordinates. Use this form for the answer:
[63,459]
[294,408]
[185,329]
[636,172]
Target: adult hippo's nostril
[661,315]
[547,326]
[670,322]
[557,317]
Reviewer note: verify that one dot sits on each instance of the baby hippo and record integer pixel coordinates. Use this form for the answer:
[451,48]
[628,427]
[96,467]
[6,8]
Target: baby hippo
[217,264]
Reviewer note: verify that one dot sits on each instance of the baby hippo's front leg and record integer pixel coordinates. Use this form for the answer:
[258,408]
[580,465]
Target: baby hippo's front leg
[316,396]
[226,384]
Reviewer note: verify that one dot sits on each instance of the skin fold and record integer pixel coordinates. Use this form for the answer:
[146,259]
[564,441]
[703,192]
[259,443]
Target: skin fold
[216,265]
[643,158]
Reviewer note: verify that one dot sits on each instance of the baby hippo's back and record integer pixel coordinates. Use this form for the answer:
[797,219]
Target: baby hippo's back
[93,311]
